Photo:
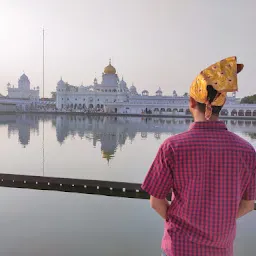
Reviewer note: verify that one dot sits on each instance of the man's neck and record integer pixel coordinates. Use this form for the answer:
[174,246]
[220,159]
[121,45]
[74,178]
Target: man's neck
[201,118]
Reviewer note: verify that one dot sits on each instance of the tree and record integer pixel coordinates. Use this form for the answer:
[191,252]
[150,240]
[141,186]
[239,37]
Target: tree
[249,99]
[53,95]
[185,94]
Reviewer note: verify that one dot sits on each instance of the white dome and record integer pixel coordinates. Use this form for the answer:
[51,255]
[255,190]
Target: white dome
[159,91]
[24,77]
[133,88]
[61,83]
[123,84]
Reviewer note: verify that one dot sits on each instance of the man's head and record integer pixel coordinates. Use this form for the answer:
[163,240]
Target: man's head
[198,109]
[208,91]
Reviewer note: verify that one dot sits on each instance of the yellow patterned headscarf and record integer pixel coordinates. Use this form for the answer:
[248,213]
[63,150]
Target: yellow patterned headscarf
[222,76]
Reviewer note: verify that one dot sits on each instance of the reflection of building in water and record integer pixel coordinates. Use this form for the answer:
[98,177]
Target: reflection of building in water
[106,130]
[24,125]
[113,132]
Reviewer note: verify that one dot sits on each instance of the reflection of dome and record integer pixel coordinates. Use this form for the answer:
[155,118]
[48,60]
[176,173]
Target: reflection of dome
[107,155]
[109,69]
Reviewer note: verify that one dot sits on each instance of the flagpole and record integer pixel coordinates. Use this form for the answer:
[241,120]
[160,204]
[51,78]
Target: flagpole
[43,63]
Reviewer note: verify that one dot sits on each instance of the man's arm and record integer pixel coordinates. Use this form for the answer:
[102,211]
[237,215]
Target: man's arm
[245,207]
[160,206]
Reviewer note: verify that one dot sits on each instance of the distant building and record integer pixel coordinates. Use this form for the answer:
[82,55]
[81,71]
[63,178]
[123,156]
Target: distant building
[23,91]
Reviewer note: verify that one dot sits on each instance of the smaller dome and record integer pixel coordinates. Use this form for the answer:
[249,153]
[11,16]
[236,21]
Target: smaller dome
[159,91]
[122,82]
[24,77]
[144,92]
[132,88]
[61,82]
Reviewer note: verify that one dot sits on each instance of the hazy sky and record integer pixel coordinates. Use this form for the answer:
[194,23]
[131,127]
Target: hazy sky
[152,43]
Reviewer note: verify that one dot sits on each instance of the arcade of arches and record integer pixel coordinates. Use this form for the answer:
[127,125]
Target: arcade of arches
[224,112]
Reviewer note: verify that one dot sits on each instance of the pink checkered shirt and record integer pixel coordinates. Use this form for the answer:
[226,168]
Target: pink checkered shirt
[209,170]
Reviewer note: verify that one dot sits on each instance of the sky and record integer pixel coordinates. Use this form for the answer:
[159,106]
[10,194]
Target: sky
[152,43]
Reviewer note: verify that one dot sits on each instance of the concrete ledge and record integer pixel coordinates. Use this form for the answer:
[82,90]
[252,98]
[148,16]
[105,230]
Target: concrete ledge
[94,187]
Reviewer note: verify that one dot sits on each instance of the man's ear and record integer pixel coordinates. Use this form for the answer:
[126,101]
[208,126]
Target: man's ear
[192,103]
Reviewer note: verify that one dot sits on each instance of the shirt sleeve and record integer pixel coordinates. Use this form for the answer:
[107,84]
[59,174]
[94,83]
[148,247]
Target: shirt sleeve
[159,179]
[250,192]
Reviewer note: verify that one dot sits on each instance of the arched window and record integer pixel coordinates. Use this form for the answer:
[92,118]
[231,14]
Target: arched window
[248,113]
[234,112]
[240,112]
[169,110]
[224,112]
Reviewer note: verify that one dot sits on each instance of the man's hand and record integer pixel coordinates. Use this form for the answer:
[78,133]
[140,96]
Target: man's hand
[245,207]
[160,206]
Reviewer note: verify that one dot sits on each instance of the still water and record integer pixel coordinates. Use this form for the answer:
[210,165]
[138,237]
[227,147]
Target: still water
[105,148]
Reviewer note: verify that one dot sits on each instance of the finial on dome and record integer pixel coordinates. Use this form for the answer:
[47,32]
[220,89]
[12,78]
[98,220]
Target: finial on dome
[109,61]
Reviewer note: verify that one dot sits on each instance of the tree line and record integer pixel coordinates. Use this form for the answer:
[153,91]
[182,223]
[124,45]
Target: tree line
[249,99]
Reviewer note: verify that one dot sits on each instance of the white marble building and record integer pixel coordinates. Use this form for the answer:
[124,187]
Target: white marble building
[95,96]
[113,96]
[23,91]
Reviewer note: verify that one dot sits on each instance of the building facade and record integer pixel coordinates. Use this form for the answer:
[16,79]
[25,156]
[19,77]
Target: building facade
[113,96]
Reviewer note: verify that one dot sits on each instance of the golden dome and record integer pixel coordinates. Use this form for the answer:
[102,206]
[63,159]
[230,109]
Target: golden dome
[109,69]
